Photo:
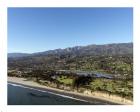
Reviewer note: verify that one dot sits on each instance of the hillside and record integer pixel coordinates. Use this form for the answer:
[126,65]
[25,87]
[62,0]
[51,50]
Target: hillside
[109,58]
[110,66]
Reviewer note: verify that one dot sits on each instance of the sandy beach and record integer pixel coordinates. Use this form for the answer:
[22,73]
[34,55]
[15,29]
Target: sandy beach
[26,82]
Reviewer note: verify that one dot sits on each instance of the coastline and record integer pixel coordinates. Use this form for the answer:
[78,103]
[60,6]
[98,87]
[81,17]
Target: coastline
[31,83]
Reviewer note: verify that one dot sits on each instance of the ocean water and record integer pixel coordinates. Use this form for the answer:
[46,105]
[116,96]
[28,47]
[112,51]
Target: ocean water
[18,95]
[25,95]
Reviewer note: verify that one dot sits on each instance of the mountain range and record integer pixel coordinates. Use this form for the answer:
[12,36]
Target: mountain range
[89,50]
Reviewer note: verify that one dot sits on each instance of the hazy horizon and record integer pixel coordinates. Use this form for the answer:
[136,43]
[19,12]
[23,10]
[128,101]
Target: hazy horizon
[33,30]
[68,47]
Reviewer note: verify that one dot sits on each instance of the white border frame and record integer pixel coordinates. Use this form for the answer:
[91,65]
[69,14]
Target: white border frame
[67,3]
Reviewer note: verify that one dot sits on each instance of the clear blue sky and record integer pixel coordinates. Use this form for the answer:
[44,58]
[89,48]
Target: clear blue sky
[40,29]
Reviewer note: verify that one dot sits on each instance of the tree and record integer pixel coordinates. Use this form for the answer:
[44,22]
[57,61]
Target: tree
[81,81]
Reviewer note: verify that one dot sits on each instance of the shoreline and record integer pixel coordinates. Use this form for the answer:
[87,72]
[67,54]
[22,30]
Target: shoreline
[26,82]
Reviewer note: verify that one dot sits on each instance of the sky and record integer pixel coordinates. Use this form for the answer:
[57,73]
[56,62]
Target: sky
[40,29]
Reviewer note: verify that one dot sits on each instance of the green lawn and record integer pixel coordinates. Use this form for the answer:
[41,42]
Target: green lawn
[65,80]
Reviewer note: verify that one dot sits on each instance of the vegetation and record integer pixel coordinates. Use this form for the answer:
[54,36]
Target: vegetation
[122,66]
[56,68]
[65,80]
[123,88]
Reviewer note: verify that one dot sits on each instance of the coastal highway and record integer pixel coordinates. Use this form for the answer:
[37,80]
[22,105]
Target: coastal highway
[19,94]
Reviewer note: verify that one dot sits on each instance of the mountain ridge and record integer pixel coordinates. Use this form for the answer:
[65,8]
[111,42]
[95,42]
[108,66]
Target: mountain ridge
[93,49]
